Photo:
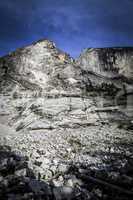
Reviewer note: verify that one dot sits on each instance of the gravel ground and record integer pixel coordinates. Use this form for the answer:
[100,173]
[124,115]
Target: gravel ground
[72,164]
[47,148]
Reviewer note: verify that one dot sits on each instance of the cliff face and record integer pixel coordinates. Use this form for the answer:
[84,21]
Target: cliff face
[40,66]
[110,62]
[44,75]
[110,70]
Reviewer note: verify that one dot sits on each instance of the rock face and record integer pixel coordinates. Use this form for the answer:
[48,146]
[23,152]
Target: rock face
[39,70]
[110,70]
[56,109]
[42,87]
[32,74]
[108,66]
[40,66]
[108,62]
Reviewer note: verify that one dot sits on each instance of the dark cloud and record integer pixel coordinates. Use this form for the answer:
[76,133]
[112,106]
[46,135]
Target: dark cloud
[72,24]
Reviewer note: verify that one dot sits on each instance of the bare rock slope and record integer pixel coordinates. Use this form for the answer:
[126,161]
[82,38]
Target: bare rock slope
[40,82]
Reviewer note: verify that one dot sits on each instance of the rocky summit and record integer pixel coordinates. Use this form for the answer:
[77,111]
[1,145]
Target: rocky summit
[72,119]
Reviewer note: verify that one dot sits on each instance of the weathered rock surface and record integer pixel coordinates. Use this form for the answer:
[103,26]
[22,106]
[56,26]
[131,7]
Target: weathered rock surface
[108,62]
[43,88]
[110,71]
[59,111]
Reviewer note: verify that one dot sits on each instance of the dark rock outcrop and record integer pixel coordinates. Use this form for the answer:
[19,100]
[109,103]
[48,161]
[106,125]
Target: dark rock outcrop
[108,67]
[108,62]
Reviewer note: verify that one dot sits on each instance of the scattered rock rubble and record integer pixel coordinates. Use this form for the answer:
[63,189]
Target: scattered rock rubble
[112,179]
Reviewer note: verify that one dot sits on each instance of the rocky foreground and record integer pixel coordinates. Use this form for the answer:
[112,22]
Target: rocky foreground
[66,125]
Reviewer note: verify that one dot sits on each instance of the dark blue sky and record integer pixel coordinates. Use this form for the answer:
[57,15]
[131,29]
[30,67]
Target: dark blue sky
[72,24]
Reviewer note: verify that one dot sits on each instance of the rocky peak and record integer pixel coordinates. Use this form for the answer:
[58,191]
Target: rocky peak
[36,66]
[45,43]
